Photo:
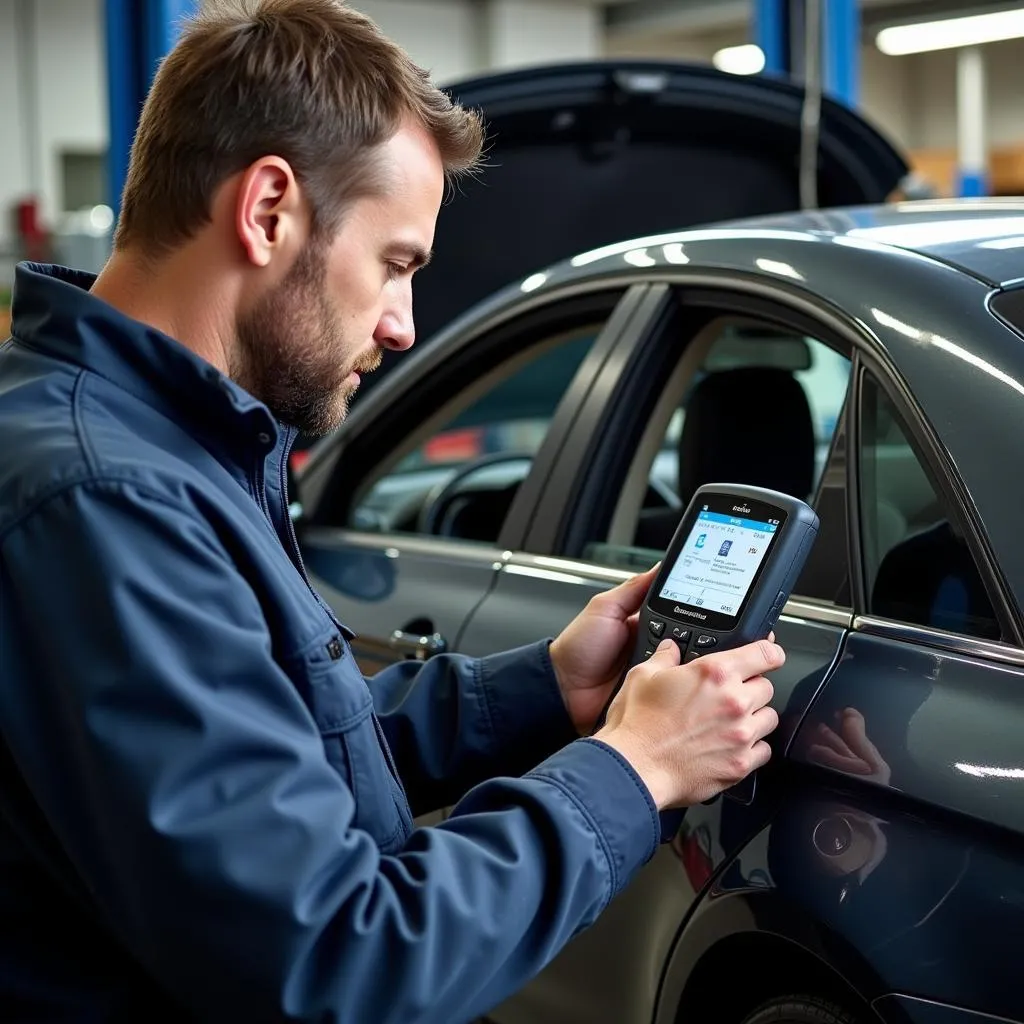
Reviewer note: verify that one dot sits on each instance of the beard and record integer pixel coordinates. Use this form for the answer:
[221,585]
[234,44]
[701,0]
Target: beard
[292,354]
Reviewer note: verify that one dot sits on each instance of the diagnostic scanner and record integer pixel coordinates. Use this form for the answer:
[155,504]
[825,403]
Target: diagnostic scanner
[727,574]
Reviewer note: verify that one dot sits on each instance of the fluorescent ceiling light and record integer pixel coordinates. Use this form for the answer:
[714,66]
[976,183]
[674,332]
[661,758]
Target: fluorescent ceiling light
[747,59]
[951,33]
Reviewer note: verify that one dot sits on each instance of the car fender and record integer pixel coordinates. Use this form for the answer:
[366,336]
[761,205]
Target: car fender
[734,934]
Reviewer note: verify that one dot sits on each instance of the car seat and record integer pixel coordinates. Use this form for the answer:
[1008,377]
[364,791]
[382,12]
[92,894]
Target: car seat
[930,579]
[750,425]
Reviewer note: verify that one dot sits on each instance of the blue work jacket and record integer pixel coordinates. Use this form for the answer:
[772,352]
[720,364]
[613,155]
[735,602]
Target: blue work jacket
[202,809]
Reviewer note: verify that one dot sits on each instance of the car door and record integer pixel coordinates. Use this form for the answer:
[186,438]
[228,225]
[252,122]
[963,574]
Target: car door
[650,433]
[407,512]
[915,739]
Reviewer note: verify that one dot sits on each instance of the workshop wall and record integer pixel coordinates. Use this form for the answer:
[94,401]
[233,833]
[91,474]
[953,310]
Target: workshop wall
[52,76]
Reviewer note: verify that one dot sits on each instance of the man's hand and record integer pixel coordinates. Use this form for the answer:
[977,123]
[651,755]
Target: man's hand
[591,653]
[692,731]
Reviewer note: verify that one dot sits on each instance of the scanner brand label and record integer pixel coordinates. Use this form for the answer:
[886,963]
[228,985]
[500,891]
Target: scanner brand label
[687,611]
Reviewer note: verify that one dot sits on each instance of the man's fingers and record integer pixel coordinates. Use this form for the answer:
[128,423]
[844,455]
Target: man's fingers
[752,660]
[665,655]
[766,721]
[626,599]
[760,755]
[758,692]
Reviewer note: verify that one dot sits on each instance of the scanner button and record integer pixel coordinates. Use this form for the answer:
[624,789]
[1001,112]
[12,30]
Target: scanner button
[655,627]
[705,641]
[648,653]
[680,634]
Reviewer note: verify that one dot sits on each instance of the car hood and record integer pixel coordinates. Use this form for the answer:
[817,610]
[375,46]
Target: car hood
[581,155]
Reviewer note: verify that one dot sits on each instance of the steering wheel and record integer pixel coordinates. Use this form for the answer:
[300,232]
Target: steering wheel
[435,505]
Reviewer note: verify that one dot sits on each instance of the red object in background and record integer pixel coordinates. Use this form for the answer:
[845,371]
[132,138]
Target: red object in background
[32,237]
[451,446]
[694,850]
[455,445]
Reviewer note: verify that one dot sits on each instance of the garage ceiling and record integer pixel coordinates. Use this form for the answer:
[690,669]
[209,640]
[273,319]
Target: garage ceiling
[641,18]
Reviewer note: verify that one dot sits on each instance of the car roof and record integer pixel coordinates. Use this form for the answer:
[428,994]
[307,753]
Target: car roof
[983,238]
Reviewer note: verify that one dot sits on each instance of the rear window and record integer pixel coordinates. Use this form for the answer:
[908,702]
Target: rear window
[1009,307]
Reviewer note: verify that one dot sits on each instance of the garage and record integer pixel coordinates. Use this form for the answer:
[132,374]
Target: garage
[508,511]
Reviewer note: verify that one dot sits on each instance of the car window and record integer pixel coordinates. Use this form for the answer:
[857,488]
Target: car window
[917,567]
[456,475]
[749,403]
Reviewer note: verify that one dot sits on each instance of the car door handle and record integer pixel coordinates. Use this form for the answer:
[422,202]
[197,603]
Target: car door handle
[417,645]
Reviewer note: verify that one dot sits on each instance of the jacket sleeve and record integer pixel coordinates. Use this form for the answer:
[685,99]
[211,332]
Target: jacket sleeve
[455,721]
[188,785]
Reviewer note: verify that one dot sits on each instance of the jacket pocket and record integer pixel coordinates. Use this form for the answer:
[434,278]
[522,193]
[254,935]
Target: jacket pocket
[336,694]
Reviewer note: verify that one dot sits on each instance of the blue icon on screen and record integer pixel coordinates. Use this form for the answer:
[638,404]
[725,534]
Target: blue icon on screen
[724,549]
[700,540]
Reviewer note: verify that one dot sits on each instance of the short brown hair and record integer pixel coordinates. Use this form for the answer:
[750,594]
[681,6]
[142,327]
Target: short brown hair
[311,81]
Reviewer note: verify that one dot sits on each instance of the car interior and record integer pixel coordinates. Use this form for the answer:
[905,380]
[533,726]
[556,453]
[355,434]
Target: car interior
[458,473]
[724,411]
[736,380]
[925,571]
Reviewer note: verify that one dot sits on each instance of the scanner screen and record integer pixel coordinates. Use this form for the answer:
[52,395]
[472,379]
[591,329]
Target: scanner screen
[718,562]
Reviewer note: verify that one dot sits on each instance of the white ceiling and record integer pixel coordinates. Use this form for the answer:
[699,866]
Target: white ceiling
[646,18]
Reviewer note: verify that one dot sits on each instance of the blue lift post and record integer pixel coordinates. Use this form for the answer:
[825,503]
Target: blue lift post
[841,44]
[771,32]
[774,23]
[139,34]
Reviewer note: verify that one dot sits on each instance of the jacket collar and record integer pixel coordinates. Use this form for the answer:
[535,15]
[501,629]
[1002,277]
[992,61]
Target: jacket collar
[54,312]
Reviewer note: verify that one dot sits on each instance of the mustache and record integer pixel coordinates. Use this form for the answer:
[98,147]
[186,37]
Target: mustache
[369,362]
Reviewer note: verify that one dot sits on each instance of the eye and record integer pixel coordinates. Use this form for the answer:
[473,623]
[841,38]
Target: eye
[395,270]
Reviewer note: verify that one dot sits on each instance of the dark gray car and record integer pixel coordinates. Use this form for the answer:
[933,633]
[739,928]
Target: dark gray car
[868,359]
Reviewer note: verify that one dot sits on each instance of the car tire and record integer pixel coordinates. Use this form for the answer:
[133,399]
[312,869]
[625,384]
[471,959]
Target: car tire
[801,1009]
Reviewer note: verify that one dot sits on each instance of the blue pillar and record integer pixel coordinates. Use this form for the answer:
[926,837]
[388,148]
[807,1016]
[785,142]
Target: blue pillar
[163,23]
[841,44]
[139,33]
[771,33]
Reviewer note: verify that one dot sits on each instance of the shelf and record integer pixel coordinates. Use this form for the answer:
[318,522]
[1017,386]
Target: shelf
[939,166]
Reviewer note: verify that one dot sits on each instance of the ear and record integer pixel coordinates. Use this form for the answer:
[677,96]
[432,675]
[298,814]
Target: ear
[269,211]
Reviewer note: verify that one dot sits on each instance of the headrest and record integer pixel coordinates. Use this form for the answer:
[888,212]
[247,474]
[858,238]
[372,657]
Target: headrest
[750,425]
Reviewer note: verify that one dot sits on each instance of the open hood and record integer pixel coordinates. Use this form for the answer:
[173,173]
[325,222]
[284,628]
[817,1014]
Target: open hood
[585,154]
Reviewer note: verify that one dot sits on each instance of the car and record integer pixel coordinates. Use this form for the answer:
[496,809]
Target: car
[868,359]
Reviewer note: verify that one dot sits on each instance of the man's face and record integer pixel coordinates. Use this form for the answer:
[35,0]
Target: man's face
[303,345]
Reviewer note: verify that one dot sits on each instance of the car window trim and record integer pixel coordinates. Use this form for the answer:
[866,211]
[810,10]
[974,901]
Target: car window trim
[579,571]
[951,491]
[621,320]
[394,545]
[941,640]
[545,532]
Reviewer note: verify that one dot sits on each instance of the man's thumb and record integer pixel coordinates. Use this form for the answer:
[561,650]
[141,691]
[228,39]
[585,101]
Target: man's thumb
[666,653]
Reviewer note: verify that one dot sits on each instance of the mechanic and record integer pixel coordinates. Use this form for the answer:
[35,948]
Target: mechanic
[201,809]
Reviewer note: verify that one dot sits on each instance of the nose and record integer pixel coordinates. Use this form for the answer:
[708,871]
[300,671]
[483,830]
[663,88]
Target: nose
[395,329]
